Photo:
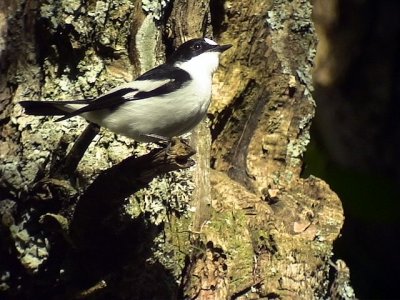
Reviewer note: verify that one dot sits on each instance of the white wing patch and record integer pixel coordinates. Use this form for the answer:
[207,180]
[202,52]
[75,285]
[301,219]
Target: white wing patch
[148,85]
[130,95]
[139,86]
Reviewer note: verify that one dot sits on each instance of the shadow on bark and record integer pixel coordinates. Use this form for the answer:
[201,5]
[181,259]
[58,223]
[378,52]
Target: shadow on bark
[96,250]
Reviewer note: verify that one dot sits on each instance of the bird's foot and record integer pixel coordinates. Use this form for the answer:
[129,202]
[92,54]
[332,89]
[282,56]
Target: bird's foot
[159,140]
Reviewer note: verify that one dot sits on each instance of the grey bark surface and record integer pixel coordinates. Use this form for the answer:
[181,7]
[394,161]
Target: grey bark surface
[240,223]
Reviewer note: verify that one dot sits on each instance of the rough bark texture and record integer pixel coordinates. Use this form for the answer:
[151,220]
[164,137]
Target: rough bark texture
[252,227]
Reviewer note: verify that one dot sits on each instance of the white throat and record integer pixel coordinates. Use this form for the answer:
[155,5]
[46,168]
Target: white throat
[203,65]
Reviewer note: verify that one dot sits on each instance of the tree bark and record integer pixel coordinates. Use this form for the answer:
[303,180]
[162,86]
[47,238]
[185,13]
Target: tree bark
[241,223]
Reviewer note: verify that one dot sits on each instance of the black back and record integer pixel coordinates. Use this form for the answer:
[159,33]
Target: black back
[190,49]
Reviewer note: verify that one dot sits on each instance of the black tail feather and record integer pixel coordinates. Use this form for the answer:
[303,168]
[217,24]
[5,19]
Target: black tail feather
[48,108]
[42,108]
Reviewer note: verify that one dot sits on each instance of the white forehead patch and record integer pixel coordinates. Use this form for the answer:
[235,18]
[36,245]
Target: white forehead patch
[211,42]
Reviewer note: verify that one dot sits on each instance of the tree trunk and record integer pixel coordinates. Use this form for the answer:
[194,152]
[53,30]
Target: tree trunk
[240,223]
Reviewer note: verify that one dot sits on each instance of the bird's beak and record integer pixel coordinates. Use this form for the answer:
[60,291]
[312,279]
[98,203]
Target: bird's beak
[222,48]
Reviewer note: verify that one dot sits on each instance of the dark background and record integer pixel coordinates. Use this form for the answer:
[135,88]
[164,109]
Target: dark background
[356,136]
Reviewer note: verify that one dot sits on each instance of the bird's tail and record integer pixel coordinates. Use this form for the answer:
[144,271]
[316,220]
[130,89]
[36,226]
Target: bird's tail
[49,108]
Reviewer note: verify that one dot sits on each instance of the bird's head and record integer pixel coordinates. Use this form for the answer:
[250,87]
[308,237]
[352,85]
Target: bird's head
[198,55]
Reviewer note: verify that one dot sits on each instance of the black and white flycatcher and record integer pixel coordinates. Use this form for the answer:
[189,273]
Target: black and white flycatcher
[165,102]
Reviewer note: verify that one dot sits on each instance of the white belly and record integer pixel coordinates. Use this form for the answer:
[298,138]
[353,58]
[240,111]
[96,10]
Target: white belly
[165,116]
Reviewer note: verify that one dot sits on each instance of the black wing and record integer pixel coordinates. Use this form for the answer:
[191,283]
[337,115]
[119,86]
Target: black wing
[177,76]
[105,101]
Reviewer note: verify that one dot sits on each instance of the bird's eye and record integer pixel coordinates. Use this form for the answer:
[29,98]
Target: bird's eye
[197,46]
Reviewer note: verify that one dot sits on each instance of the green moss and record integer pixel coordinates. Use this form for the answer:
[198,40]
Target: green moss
[172,246]
[229,231]
[263,241]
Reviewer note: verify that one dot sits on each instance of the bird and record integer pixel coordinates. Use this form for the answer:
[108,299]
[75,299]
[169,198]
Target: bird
[164,102]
